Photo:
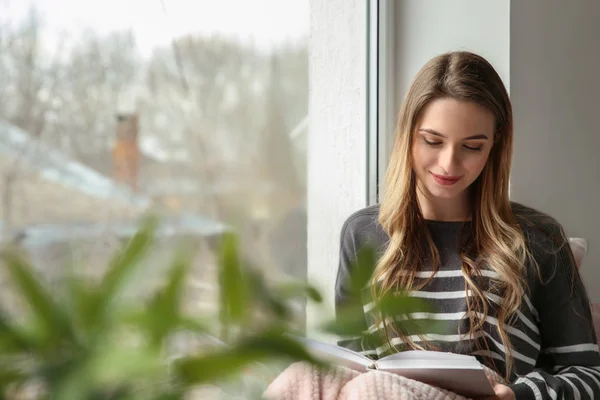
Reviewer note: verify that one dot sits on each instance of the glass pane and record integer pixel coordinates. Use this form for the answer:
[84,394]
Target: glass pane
[195,110]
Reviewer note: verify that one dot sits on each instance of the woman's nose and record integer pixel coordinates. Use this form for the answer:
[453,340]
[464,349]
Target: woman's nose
[448,159]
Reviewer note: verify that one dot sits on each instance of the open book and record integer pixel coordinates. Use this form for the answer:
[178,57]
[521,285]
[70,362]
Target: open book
[461,374]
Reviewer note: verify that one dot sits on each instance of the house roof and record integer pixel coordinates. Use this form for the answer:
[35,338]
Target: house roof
[57,167]
[50,187]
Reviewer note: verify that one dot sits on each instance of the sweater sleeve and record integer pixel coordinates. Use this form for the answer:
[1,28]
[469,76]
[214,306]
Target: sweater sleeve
[569,363]
[359,232]
[346,301]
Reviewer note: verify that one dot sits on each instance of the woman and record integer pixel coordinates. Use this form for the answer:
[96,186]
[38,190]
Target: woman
[499,274]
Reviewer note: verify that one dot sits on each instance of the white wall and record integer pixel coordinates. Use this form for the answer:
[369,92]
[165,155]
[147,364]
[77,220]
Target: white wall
[547,53]
[337,153]
[554,69]
[545,50]
[426,28]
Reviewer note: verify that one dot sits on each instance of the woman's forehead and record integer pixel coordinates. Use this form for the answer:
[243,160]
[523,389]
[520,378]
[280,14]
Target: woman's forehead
[456,119]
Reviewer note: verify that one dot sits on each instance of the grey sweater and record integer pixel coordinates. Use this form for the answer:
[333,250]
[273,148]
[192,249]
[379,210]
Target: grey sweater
[554,346]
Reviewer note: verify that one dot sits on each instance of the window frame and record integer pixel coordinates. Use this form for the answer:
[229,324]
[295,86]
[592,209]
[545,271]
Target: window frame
[381,99]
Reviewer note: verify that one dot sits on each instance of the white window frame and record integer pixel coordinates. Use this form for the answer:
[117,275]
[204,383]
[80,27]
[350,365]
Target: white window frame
[382,107]
[346,78]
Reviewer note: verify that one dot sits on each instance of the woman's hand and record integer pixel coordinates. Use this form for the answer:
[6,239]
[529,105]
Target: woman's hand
[502,392]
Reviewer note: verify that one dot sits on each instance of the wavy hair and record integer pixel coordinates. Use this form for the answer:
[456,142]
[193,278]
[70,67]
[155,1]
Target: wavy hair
[495,237]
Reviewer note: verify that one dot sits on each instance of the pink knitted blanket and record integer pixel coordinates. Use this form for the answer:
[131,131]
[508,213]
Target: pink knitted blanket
[302,381]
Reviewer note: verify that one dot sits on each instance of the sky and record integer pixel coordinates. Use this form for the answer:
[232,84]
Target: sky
[264,22]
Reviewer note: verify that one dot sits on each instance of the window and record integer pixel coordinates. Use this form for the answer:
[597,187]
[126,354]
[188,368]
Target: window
[197,111]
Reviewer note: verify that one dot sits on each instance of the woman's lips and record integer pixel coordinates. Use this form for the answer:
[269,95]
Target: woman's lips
[445,179]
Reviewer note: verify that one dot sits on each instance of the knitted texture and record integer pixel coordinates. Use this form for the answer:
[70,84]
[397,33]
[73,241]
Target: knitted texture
[302,381]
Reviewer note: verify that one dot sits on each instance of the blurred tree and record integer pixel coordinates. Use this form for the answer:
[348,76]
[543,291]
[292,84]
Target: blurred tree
[215,115]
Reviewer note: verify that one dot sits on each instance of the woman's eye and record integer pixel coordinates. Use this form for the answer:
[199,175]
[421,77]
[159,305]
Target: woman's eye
[474,148]
[427,142]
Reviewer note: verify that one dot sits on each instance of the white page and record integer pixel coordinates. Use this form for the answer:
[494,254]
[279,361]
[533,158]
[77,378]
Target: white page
[336,355]
[459,373]
[430,355]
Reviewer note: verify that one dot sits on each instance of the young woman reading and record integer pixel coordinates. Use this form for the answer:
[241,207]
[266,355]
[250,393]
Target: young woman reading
[500,276]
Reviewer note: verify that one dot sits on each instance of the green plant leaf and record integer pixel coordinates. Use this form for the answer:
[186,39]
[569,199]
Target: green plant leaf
[218,365]
[193,324]
[120,269]
[11,374]
[81,300]
[117,366]
[52,323]
[168,396]
[233,294]
[295,290]
[362,269]
[266,296]
[346,323]
[164,314]
[401,304]
[13,339]
[400,307]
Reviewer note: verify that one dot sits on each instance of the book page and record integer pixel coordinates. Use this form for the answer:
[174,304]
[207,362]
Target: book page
[459,373]
[430,355]
[336,355]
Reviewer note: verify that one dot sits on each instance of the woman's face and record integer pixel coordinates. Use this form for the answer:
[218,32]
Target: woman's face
[451,145]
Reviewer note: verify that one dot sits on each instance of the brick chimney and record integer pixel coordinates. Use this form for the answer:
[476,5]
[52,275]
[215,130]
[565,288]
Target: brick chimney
[126,154]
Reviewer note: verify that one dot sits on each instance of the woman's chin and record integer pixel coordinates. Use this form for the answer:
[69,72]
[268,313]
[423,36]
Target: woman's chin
[445,193]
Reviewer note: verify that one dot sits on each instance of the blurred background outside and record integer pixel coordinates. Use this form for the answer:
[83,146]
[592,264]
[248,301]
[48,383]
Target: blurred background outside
[196,111]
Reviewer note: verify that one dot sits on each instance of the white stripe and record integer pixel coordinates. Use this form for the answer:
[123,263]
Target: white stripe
[531,308]
[489,354]
[428,295]
[417,316]
[451,274]
[590,369]
[437,316]
[514,353]
[576,348]
[522,317]
[587,387]
[455,338]
[585,371]
[439,274]
[424,315]
[486,273]
[549,390]
[560,368]
[592,377]
[457,316]
[528,322]
[514,331]
[368,307]
[576,394]
[532,386]
[373,328]
[458,294]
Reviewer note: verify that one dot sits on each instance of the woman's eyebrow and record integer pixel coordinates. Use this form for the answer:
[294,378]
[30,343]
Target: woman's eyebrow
[436,133]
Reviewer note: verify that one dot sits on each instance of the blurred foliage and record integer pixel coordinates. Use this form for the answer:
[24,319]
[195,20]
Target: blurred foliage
[94,342]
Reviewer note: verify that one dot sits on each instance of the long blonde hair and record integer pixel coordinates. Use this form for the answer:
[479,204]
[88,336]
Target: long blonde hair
[496,238]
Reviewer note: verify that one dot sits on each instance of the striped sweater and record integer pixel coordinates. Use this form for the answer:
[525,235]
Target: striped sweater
[555,354]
